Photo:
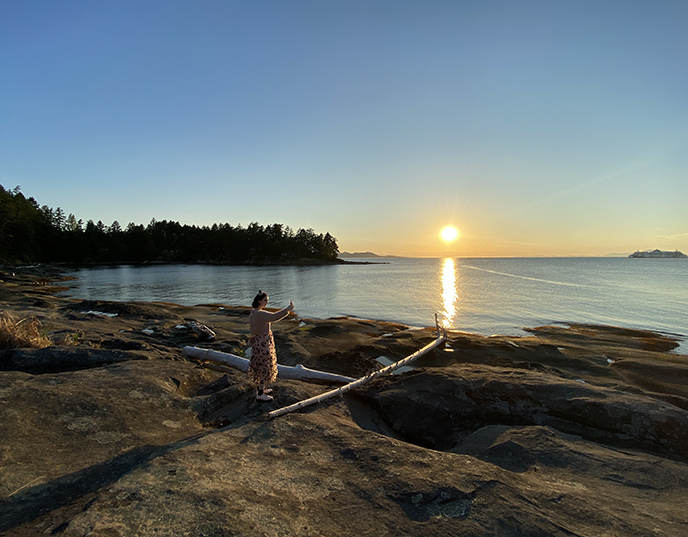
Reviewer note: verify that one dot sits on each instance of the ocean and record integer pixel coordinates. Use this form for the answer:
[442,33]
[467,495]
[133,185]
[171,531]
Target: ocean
[479,295]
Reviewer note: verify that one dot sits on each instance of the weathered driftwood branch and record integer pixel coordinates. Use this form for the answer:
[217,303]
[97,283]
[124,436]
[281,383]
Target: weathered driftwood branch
[441,337]
[201,330]
[283,371]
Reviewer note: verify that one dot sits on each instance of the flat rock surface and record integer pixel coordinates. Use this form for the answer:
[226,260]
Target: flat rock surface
[574,430]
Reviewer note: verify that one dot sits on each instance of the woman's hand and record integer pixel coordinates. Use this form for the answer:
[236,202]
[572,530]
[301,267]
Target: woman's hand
[290,307]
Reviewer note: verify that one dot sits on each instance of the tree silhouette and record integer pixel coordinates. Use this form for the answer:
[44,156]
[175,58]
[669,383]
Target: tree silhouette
[29,233]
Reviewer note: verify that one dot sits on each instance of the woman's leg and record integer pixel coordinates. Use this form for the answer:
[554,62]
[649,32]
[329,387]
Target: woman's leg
[263,393]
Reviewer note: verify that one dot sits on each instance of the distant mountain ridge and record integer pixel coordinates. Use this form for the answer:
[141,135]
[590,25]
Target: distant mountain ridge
[362,254]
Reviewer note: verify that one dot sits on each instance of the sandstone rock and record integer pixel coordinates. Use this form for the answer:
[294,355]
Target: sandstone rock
[437,409]
[576,430]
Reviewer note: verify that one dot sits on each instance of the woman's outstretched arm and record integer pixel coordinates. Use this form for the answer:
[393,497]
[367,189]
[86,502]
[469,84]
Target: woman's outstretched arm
[271,317]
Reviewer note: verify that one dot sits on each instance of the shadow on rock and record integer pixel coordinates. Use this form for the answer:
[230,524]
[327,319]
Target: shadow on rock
[125,309]
[445,502]
[28,504]
[60,359]
[440,409]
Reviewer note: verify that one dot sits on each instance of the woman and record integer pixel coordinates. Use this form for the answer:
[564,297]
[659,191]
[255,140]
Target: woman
[263,367]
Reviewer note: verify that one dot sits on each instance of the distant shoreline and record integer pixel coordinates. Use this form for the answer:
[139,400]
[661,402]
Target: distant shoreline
[304,262]
[361,255]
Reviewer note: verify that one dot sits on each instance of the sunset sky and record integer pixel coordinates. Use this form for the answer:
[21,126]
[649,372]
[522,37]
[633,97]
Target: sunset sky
[534,127]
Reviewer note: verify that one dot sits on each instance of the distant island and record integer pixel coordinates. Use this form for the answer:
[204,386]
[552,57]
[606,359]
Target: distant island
[657,253]
[344,255]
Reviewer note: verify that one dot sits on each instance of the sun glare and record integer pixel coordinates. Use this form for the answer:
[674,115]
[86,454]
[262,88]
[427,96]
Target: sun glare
[449,234]
[450,295]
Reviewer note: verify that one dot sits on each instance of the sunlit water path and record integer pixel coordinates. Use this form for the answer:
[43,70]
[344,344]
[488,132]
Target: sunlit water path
[484,296]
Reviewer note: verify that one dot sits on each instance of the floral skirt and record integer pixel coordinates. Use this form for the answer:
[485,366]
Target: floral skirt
[263,367]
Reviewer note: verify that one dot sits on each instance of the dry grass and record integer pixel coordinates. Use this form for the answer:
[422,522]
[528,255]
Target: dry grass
[26,332]
[71,339]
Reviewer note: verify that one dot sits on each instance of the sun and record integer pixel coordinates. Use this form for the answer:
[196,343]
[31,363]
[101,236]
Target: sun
[449,234]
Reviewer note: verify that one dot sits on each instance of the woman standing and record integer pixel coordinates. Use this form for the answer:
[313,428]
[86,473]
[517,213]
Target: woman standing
[263,367]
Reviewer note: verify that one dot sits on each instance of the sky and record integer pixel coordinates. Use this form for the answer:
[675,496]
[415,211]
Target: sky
[550,128]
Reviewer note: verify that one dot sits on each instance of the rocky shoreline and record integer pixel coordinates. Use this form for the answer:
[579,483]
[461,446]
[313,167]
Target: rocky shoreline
[109,430]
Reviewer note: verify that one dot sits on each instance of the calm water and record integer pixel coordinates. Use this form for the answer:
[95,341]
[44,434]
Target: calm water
[484,296]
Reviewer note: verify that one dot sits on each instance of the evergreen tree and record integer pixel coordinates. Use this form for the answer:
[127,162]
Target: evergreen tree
[31,233]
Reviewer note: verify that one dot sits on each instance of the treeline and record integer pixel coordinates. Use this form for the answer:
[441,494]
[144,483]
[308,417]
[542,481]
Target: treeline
[31,233]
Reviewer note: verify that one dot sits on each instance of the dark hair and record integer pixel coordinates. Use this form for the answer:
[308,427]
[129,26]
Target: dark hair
[259,298]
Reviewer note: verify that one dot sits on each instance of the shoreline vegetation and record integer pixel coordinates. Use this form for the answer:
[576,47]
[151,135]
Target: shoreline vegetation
[108,429]
[31,233]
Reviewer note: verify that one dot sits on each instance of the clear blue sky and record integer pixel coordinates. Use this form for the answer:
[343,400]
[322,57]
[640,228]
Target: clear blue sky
[535,127]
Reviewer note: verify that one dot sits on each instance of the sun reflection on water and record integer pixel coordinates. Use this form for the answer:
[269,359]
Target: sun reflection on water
[450,294]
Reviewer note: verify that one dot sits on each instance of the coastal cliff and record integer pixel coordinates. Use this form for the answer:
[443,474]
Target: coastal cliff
[108,430]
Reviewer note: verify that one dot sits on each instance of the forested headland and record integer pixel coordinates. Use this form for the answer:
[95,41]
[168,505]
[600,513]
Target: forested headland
[31,233]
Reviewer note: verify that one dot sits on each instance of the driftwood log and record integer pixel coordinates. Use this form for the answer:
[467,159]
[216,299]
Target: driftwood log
[303,373]
[201,330]
[441,338]
[283,371]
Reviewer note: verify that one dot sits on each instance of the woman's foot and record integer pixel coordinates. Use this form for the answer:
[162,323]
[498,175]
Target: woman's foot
[264,397]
